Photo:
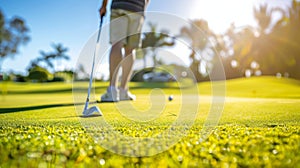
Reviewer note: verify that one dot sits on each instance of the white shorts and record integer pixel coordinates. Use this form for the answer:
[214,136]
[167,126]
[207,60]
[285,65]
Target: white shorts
[126,27]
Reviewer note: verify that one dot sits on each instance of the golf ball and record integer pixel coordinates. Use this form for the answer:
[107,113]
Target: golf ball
[171,97]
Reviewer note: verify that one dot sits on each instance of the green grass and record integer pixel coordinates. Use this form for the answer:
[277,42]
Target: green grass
[259,126]
[267,87]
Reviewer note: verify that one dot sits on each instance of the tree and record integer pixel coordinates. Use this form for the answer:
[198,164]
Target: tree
[264,49]
[153,40]
[226,44]
[39,74]
[199,34]
[13,34]
[287,37]
[59,53]
[257,44]
[241,45]
[294,38]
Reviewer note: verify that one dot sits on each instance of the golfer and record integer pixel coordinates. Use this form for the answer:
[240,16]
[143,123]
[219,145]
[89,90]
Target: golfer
[126,21]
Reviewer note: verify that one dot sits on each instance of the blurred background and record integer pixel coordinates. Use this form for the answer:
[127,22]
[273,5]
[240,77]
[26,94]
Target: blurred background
[40,41]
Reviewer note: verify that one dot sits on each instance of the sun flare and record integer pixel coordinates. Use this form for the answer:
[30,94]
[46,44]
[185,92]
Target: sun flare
[220,14]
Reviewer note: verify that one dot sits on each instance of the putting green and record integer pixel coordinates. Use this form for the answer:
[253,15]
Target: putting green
[259,126]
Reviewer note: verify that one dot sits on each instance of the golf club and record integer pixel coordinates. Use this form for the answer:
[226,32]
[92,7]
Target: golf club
[94,109]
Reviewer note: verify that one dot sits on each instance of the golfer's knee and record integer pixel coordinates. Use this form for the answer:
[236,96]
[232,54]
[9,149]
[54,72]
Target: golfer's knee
[117,46]
[130,51]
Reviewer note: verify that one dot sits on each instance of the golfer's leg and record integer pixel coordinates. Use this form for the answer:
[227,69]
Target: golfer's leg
[127,65]
[118,26]
[114,63]
[133,41]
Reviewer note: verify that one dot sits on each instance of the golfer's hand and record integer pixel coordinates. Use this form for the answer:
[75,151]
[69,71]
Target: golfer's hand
[102,11]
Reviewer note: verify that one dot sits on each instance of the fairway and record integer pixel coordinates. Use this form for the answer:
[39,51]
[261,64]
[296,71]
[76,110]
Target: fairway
[258,127]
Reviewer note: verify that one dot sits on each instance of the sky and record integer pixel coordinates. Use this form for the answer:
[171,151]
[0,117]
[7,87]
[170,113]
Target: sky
[73,22]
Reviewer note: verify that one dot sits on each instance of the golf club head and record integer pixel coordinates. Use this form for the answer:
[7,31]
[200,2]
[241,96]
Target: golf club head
[90,111]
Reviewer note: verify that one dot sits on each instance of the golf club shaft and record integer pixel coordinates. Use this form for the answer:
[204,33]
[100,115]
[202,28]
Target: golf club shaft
[94,58]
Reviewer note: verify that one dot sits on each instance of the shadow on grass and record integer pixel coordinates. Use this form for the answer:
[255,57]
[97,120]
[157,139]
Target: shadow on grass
[68,90]
[21,109]
[40,91]
[91,116]
[151,85]
[39,107]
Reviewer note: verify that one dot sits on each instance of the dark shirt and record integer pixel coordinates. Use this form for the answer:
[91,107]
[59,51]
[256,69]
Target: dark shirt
[130,5]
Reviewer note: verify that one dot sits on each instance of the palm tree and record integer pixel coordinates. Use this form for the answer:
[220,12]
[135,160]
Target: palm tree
[257,43]
[289,40]
[59,53]
[198,34]
[263,18]
[263,50]
[243,45]
[295,37]
[231,45]
[153,40]
[282,43]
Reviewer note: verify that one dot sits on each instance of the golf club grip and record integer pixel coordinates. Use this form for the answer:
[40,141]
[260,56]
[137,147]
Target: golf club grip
[100,27]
